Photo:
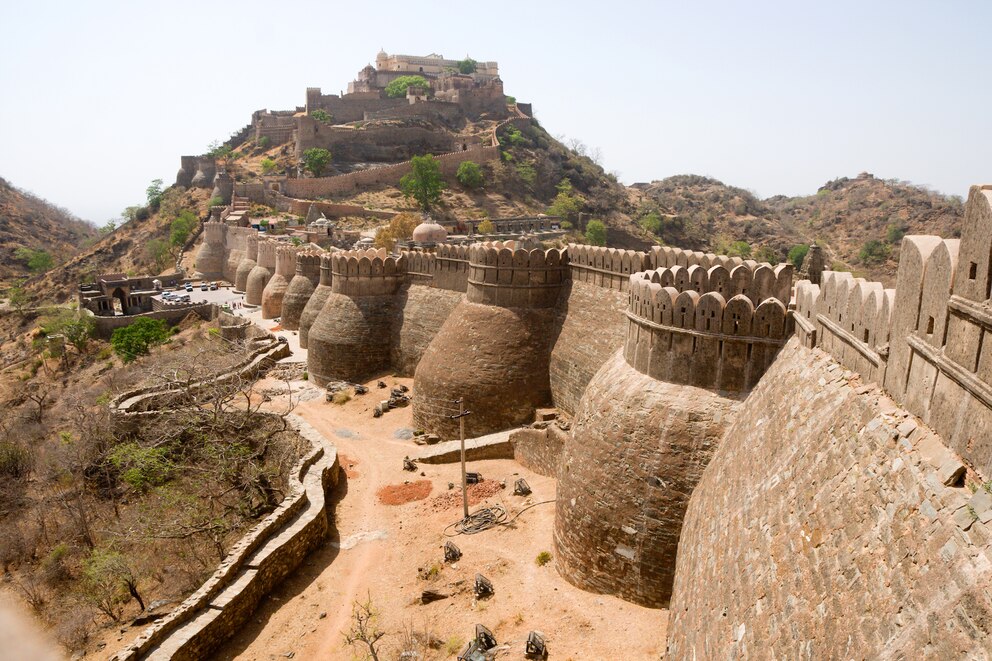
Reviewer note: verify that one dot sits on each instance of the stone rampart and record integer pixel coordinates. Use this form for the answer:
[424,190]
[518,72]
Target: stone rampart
[420,312]
[275,288]
[925,342]
[316,301]
[685,332]
[539,450]
[262,271]
[644,444]
[301,287]
[247,263]
[446,268]
[506,277]
[606,267]
[366,273]
[823,528]
[235,250]
[104,327]
[389,174]
[211,258]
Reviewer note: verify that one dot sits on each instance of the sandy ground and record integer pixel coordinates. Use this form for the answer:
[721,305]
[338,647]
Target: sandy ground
[380,552]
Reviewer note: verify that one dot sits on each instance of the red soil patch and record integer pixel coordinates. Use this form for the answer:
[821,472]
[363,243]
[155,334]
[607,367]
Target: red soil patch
[348,465]
[476,494]
[277,327]
[399,494]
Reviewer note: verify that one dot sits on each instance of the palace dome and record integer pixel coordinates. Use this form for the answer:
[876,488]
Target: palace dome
[429,232]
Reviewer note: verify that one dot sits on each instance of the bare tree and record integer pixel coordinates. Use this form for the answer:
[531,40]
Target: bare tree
[365,629]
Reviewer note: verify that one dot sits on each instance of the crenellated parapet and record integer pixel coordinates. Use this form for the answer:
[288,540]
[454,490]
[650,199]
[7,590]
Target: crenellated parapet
[750,279]
[709,338]
[506,277]
[445,268]
[926,340]
[275,289]
[367,273]
[606,267]
[317,299]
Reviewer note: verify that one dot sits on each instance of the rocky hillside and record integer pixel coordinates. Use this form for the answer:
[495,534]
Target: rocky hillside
[859,221]
[30,226]
[130,248]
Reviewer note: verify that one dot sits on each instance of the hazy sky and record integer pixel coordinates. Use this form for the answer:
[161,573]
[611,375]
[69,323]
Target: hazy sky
[99,98]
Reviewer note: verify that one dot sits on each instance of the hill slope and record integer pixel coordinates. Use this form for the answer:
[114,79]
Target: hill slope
[844,216]
[27,221]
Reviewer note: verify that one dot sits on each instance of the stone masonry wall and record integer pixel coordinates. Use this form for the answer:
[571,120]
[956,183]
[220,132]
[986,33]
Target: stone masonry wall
[823,528]
[420,312]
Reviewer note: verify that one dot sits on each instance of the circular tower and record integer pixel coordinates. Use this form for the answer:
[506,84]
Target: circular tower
[260,275]
[249,262]
[351,338]
[493,349]
[277,285]
[316,301]
[301,287]
[211,256]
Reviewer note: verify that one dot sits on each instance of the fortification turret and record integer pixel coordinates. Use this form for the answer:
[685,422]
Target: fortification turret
[248,262]
[223,187]
[211,256]
[316,301]
[351,337]
[206,170]
[301,287]
[277,285]
[698,336]
[187,168]
[262,273]
[493,349]
[235,250]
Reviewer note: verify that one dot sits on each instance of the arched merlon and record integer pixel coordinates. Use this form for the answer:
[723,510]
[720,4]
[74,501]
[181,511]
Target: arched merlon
[928,340]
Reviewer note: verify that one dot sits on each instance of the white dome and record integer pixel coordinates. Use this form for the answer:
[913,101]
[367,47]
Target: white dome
[429,232]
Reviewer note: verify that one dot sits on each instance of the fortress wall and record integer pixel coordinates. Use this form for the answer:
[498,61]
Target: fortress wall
[351,336]
[539,450]
[925,341]
[234,250]
[262,272]
[104,327]
[421,311]
[644,444]
[301,287]
[822,527]
[316,301]
[275,288]
[437,110]
[703,340]
[389,174]
[345,109]
[212,257]
[247,263]
[446,268]
[500,275]
[590,325]
[371,142]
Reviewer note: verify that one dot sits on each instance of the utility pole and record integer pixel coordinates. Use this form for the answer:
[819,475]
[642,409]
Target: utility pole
[461,433]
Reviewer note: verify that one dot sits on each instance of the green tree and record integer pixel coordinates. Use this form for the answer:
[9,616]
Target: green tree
[470,175]
[767,254]
[315,160]
[76,328]
[895,232]
[18,298]
[740,249]
[136,339]
[264,142]
[322,116]
[181,228]
[423,183]
[797,254]
[397,87]
[142,468]
[565,203]
[108,227]
[400,228]
[467,66]
[486,227]
[596,233]
[269,166]
[874,252]
[107,581]
[651,221]
[154,193]
[38,261]
[159,252]
[219,150]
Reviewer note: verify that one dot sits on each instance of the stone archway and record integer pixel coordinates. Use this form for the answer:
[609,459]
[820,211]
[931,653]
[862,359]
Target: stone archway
[119,299]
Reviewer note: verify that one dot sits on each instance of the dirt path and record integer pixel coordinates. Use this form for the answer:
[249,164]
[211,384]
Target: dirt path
[392,553]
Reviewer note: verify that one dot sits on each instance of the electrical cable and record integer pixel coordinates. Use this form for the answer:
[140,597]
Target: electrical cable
[486,519]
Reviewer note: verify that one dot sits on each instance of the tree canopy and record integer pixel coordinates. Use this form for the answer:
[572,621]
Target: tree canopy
[315,160]
[135,340]
[467,66]
[397,87]
[469,175]
[424,183]
[596,233]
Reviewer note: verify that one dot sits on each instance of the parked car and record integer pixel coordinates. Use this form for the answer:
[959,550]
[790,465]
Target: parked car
[189,286]
[213,286]
[203,286]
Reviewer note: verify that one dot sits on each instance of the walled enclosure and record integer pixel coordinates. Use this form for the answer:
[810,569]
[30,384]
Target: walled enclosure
[833,519]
